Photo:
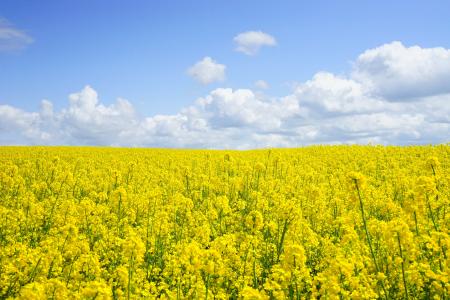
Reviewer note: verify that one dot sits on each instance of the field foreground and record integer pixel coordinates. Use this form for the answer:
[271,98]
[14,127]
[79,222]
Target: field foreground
[337,222]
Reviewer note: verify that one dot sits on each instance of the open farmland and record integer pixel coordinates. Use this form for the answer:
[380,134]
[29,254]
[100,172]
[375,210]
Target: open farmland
[337,222]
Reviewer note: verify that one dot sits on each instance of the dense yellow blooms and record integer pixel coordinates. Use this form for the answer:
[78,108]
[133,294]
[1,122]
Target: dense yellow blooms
[329,222]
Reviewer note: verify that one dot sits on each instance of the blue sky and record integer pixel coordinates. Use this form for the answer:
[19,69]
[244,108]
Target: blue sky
[142,50]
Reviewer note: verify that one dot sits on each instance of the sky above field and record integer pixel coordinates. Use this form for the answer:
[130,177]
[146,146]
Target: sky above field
[224,74]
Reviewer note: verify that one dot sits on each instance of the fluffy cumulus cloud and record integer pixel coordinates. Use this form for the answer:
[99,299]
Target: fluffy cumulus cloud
[250,42]
[11,38]
[399,73]
[207,71]
[360,107]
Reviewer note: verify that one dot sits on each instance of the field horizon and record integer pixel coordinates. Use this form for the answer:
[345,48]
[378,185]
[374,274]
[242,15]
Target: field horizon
[112,147]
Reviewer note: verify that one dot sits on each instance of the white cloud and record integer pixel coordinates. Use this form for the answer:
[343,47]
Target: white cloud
[250,42]
[330,94]
[225,108]
[84,121]
[325,109]
[91,122]
[207,71]
[261,84]
[396,72]
[11,38]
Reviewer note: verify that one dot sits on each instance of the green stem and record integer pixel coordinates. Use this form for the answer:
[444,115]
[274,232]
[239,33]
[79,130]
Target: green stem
[369,241]
[283,235]
[207,287]
[415,221]
[403,265]
[130,276]
[431,214]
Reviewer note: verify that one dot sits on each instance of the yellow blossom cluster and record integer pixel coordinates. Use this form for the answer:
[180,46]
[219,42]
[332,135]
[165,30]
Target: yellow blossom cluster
[328,222]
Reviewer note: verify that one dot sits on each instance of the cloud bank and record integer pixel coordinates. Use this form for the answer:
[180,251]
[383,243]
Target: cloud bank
[393,95]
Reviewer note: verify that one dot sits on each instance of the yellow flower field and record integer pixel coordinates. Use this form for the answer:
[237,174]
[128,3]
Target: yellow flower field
[329,222]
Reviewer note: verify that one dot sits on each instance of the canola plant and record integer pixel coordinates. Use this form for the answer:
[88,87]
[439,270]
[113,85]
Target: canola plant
[328,222]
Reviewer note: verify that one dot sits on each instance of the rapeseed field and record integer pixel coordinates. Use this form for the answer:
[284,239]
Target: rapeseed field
[328,222]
